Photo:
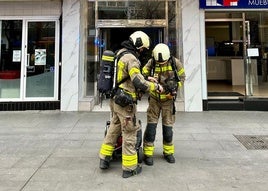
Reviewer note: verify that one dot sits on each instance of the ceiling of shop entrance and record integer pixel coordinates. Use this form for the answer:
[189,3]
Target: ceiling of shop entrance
[131,10]
[134,13]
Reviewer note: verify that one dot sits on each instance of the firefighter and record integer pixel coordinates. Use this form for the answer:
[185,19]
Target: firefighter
[169,72]
[123,106]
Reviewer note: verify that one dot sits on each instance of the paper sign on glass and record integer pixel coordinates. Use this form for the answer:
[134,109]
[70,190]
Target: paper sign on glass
[16,56]
[40,57]
[253,52]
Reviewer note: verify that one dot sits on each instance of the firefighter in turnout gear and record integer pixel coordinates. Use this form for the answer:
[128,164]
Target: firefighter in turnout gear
[123,106]
[169,72]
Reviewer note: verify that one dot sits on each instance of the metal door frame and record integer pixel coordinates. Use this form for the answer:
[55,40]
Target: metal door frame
[24,64]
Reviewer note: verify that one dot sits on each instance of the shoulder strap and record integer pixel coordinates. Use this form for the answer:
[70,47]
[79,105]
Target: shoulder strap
[174,68]
[153,67]
[117,58]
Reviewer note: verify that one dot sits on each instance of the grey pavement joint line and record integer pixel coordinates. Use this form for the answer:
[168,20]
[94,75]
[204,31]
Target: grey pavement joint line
[53,150]
[38,169]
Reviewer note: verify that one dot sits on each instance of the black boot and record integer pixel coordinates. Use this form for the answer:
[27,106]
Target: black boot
[148,160]
[104,163]
[169,158]
[127,174]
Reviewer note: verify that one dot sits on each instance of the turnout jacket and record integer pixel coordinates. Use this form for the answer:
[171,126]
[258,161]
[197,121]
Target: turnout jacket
[163,72]
[128,66]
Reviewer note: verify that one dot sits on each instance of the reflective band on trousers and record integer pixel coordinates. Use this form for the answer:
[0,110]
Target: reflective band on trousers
[107,150]
[129,160]
[148,151]
[168,149]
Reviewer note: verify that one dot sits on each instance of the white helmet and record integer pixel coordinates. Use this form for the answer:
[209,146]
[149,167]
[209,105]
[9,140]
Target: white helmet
[161,52]
[140,40]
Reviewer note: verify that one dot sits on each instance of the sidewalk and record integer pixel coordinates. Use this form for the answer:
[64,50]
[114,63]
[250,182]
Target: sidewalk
[53,150]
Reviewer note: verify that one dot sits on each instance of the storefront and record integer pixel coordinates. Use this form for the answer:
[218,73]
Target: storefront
[111,22]
[29,59]
[50,50]
[236,41]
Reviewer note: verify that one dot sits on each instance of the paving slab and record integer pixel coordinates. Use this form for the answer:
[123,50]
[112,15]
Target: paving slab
[54,150]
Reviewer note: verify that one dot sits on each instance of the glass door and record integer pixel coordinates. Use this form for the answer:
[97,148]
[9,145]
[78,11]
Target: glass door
[236,46]
[226,44]
[41,68]
[29,55]
[10,59]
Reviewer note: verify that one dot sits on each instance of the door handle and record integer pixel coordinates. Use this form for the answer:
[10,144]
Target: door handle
[28,60]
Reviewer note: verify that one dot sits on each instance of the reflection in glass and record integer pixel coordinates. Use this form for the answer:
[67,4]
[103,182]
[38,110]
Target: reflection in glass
[10,58]
[40,59]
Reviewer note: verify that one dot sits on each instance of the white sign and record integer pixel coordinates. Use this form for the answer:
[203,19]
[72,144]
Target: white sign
[16,55]
[253,52]
[40,56]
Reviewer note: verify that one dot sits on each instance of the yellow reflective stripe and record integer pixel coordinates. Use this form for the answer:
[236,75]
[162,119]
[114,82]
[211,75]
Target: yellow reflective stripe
[162,96]
[120,66]
[163,68]
[134,71]
[107,58]
[148,151]
[107,150]
[129,160]
[168,149]
[145,71]
[157,70]
[181,71]
[152,86]
[133,94]
[179,84]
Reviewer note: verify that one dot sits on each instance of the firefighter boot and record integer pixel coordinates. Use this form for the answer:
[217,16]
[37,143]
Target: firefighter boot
[148,160]
[169,158]
[105,163]
[129,173]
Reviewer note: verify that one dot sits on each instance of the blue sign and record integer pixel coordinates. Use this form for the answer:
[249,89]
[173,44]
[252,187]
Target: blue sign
[233,4]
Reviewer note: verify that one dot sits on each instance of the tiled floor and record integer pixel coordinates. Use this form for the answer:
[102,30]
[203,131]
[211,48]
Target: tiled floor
[222,86]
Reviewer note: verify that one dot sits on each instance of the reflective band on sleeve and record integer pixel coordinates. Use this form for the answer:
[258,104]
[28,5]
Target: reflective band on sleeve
[181,71]
[148,151]
[129,160]
[179,84]
[145,71]
[168,149]
[107,58]
[134,71]
[107,150]
[152,86]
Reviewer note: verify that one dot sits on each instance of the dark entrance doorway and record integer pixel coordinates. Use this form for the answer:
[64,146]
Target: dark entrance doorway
[113,37]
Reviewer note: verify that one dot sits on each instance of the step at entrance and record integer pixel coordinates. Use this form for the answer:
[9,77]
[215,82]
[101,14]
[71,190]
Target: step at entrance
[225,104]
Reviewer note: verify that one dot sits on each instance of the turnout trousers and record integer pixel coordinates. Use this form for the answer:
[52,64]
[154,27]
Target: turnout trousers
[155,109]
[123,122]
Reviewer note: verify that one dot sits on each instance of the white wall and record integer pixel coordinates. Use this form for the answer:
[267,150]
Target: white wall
[191,31]
[30,8]
[70,55]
